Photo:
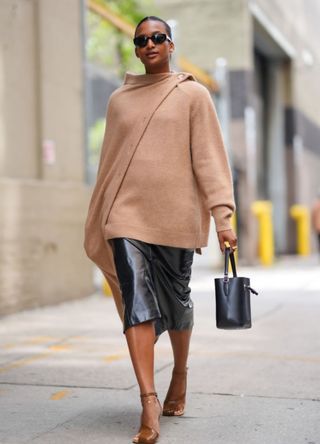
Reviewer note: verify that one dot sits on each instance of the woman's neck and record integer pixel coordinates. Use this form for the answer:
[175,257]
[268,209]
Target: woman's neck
[158,69]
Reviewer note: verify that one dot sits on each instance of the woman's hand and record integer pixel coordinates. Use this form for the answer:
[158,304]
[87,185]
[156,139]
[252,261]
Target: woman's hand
[227,236]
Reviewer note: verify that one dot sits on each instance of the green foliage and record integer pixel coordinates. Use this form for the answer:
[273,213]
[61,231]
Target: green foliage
[95,139]
[109,47]
[131,10]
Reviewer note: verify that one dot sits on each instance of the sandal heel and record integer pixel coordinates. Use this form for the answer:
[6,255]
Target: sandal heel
[146,434]
[175,407]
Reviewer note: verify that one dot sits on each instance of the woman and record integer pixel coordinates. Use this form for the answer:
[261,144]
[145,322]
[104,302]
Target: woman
[163,171]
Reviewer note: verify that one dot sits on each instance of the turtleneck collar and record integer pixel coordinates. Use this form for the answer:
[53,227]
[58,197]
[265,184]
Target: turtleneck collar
[146,79]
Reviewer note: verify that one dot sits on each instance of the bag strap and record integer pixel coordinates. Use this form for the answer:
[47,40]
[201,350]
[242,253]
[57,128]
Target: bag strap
[229,255]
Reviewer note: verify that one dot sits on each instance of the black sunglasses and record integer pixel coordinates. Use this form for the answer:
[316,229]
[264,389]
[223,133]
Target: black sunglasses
[142,40]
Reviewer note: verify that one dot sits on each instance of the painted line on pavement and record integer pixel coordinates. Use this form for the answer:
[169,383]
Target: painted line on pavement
[115,357]
[51,350]
[60,395]
[37,357]
[24,361]
[59,347]
[31,341]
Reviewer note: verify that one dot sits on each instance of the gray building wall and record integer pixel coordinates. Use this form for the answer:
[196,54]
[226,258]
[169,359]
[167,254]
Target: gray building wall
[44,198]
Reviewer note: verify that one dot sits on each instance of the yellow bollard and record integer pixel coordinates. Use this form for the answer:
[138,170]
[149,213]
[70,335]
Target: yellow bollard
[262,209]
[106,288]
[301,215]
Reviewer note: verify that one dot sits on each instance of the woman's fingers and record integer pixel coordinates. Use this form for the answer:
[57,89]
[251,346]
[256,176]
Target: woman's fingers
[229,237]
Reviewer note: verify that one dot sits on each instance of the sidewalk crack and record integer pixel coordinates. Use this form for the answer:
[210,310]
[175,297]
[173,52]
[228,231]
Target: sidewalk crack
[292,398]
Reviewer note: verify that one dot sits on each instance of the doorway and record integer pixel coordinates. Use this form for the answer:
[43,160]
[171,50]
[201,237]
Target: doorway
[270,100]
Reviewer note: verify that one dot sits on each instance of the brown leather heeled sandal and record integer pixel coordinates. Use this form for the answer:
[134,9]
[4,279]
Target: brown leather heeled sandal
[175,407]
[146,434]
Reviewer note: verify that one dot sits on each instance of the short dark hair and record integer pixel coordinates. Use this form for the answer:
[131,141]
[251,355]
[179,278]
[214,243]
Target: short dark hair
[158,19]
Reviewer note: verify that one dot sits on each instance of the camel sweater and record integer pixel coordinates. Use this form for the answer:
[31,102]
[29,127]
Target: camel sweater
[163,169]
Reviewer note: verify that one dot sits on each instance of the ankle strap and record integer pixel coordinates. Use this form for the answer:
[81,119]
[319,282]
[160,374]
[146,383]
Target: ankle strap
[146,395]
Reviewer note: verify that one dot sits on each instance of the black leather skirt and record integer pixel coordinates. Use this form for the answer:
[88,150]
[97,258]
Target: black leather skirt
[154,281]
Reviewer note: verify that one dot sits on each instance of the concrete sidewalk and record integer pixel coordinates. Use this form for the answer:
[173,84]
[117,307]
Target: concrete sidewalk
[66,377]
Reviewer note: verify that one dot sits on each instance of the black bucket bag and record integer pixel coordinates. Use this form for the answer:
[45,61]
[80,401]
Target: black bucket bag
[233,310]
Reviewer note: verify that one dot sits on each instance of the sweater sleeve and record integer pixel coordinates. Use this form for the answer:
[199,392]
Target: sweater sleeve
[209,159]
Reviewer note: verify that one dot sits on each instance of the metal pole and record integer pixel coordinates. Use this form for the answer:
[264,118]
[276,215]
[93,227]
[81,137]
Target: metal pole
[221,75]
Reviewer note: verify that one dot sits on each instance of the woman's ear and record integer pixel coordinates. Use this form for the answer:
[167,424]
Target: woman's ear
[136,52]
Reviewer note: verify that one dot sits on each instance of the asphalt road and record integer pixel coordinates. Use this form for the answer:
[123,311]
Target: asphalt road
[66,377]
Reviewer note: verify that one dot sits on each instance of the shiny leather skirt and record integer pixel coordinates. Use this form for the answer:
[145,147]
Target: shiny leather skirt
[154,282]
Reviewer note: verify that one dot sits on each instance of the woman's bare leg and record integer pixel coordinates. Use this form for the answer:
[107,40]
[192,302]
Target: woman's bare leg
[140,339]
[180,341]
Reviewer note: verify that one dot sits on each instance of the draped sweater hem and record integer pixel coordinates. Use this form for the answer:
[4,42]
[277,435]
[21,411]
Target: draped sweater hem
[160,237]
